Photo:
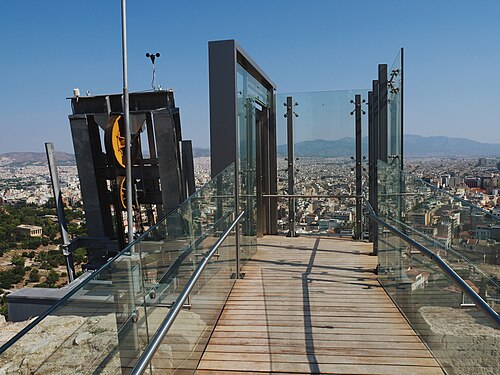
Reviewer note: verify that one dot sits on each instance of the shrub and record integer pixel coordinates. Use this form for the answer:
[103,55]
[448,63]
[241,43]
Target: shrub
[34,276]
[9,277]
[18,261]
[52,278]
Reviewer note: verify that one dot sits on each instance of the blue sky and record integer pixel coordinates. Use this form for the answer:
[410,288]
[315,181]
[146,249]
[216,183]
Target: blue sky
[452,57]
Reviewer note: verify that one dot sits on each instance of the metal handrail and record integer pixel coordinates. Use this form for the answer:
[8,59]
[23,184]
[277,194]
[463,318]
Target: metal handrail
[448,249]
[169,320]
[338,196]
[448,271]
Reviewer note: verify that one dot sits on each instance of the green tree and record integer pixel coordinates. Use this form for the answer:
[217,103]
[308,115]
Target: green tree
[6,279]
[9,277]
[52,278]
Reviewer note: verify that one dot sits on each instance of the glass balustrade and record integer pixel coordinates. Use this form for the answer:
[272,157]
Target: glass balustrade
[460,336]
[107,321]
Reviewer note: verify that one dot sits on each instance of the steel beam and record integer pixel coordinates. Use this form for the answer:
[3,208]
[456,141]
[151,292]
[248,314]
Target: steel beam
[89,159]
[168,160]
[188,167]
[223,116]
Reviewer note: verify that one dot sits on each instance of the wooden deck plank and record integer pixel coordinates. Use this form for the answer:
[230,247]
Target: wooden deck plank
[320,368]
[320,336]
[310,305]
[331,359]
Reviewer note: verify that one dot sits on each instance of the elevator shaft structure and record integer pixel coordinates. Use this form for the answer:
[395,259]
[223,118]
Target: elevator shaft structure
[162,172]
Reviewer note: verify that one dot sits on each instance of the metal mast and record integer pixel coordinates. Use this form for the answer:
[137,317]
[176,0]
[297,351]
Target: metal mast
[126,117]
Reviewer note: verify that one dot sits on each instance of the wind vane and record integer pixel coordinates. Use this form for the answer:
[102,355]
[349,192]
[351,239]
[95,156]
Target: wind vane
[153,56]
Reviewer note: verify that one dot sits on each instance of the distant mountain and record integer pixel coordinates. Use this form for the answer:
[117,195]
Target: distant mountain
[414,145]
[21,159]
[199,152]
[322,148]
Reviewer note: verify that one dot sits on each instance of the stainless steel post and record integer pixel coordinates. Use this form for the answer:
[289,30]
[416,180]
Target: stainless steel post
[49,148]
[129,342]
[290,167]
[237,210]
[126,117]
[358,111]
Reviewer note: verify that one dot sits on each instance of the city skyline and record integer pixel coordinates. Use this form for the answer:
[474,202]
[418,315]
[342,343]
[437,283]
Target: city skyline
[49,49]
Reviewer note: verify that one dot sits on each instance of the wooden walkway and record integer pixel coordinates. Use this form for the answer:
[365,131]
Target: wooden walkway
[310,305]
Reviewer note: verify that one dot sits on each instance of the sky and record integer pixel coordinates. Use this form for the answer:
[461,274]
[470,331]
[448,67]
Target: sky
[452,57]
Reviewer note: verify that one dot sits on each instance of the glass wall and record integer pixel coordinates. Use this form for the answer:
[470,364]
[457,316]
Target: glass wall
[324,148]
[468,239]
[253,102]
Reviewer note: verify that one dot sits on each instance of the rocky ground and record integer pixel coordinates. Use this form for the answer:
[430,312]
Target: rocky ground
[82,345]
[463,340]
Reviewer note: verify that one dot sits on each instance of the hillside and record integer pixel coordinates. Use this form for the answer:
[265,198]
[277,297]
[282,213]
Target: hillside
[21,159]
[414,145]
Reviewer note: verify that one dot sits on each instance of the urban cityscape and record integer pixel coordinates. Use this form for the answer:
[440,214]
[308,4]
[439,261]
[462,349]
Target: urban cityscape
[475,180]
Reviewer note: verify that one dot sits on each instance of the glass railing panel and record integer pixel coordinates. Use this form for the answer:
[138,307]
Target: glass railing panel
[324,149]
[109,319]
[460,336]
[334,217]
[454,224]
[172,251]
[185,342]
[100,327]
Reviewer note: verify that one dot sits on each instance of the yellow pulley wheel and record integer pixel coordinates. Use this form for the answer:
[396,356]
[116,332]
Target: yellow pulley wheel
[122,192]
[114,139]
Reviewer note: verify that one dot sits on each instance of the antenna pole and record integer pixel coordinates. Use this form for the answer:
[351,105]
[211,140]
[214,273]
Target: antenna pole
[126,117]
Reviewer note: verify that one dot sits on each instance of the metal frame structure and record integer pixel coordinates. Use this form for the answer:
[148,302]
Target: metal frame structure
[377,141]
[224,58]
[165,177]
